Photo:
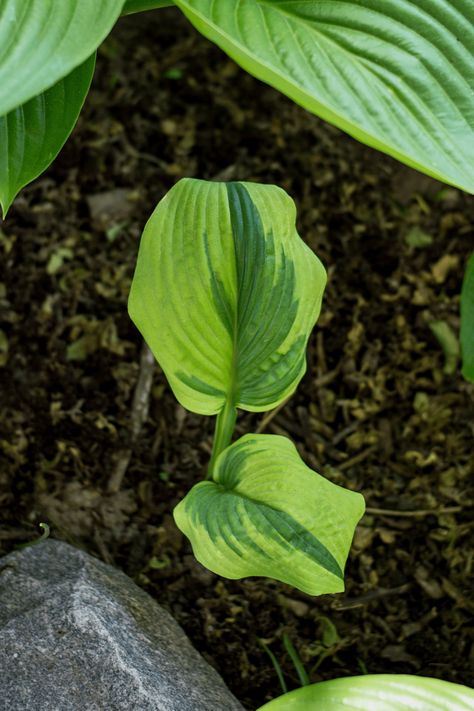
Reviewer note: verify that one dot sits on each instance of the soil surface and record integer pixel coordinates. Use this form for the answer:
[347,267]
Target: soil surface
[382,409]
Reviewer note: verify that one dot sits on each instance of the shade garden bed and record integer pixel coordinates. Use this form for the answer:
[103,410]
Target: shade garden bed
[380,410]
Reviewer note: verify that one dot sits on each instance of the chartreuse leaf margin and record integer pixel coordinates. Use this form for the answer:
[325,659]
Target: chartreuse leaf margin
[266,513]
[377,692]
[396,75]
[226,293]
[32,135]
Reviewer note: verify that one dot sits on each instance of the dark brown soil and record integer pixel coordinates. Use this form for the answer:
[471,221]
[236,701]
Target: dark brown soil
[380,410]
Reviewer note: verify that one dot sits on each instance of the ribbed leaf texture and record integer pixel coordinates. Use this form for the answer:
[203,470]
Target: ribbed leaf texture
[266,513]
[397,75]
[226,293]
[42,41]
[377,692]
[32,135]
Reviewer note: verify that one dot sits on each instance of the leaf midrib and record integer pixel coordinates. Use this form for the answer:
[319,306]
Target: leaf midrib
[265,505]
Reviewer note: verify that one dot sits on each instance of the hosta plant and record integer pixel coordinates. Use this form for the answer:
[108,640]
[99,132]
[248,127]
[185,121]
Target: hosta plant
[225,294]
[377,692]
[397,75]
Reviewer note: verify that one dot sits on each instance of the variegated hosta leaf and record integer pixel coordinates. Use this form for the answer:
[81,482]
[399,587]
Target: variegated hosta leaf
[266,513]
[395,74]
[377,692]
[225,294]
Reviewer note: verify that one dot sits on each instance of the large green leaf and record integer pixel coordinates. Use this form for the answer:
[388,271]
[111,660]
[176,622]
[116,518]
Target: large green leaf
[225,294]
[467,321]
[266,513]
[397,75]
[377,692]
[41,41]
[32,135]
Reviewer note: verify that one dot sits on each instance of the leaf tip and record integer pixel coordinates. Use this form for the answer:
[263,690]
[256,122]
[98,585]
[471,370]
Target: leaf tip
[4,207]
[468,372]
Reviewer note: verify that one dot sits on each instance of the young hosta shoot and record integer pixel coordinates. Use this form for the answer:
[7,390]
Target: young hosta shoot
[226,293]
[377,692]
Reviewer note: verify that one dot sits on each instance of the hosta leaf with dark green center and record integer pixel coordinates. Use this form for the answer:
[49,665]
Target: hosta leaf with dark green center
[32,135]
[467,321]
[397,75]
[377,692]
[266,513]
[42,41]
[225,294]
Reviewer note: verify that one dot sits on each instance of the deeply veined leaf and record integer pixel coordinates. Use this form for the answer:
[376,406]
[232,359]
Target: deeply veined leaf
[467,321]
[42,41]
[266,513]
[397,75]
[226,293]
[32,135]
[377,692]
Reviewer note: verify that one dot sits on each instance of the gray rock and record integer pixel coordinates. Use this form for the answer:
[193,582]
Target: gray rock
[78,635]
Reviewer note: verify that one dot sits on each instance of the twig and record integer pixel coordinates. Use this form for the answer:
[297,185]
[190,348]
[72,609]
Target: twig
[268,417]
[347,463]
[140,407]
[326,378]
[415,513]
[342,434]
[351,602]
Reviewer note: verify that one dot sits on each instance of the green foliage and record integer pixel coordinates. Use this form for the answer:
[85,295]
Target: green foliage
[225,293]
[32,135]
[132,6]
[297,663]
[266,513]
[396,75]
[47,57]
[42,41]
[467,321]
[376,692]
